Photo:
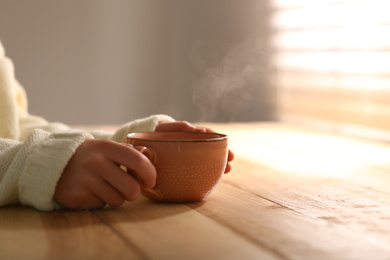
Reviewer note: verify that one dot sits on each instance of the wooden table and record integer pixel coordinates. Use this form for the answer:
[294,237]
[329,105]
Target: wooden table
[292,194]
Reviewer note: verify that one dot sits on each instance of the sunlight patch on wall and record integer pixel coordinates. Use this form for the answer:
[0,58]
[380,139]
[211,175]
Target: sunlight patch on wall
[331,60]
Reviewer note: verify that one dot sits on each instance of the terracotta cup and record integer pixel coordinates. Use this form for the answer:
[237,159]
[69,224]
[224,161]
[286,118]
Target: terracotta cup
[189,165]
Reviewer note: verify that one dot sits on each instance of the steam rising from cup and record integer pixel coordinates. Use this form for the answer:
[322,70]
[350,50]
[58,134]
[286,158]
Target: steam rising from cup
[231,78]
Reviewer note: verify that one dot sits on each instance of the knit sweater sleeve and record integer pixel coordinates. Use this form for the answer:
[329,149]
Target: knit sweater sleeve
[30,170]
[33,151]
[147,124]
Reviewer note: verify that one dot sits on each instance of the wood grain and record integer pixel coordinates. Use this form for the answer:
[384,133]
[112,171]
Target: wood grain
[82,235]
[293,193]
[174,231]
[29,234]
[22,235]
[330,197]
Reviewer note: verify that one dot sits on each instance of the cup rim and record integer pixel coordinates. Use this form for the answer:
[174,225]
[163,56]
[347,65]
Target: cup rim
[218,137]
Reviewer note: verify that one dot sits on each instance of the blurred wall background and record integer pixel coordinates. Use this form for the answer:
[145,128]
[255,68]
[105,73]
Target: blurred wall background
[108,62]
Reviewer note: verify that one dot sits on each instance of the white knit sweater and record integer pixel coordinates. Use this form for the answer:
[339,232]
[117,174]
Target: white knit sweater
[34,152]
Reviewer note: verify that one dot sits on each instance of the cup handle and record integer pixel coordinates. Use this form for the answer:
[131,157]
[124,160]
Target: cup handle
[154,194]
[148,152]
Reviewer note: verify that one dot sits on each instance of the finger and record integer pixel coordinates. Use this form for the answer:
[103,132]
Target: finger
[93,203]
[107,193]
[89,202]
[124,183]
[175,126]
[203,129]
[111,184]
[134,160]
[228,168]
[76,197]
[230,156]
[229,159]
[141,168]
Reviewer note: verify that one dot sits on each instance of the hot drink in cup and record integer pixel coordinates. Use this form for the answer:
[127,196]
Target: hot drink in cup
[189,165]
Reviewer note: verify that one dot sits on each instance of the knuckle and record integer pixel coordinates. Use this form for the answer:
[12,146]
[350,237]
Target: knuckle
[101,142]
[185,124]
[140,161]
[93,162]
[144,170]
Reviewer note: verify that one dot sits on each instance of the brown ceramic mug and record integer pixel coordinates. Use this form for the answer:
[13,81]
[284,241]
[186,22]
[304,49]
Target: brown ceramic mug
[189,165]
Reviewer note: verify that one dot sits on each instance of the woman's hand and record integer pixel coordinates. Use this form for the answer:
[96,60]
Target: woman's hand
[93,177]
[185,126]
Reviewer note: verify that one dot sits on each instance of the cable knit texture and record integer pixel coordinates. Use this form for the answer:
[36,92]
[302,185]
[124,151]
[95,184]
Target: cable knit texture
[34,152]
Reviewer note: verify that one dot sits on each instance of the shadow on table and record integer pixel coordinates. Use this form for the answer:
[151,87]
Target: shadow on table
[145,210]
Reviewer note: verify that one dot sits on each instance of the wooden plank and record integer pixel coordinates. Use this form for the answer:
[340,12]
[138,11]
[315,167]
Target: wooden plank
[82,235]
[30,234]
[300,151]
[300,200]
[22,234]
[330,194]
[175,231]
[290,233]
